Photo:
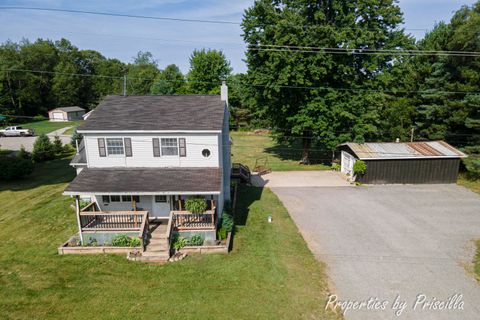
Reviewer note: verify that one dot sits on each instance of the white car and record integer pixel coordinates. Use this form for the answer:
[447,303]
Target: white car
[16,132]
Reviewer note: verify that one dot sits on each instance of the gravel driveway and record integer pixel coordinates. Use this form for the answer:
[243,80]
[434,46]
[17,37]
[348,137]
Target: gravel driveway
[388,241]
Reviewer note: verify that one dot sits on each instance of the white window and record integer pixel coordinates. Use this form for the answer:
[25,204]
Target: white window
[115,146]
[169,147]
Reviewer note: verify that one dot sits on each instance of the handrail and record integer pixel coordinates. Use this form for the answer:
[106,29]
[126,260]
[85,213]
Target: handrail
[168,233]
[106,213]
[188,220]
[94,204]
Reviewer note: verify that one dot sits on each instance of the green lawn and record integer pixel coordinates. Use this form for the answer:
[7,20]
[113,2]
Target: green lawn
[270,274]
[46,126]
[247,147]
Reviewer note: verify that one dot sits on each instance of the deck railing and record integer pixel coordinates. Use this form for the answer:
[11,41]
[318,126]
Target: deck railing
[127,221]
[185,220]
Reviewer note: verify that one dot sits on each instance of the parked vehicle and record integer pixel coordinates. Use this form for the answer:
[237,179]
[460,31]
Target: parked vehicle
[16,132]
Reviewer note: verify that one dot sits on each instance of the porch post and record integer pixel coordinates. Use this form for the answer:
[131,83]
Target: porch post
[77,207]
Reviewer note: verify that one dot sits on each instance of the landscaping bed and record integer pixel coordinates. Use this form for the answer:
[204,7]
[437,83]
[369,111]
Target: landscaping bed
[73,246]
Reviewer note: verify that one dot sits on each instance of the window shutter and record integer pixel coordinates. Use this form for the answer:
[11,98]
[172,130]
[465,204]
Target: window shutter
[101,147]
[128,147]
[183,147]
[156,147]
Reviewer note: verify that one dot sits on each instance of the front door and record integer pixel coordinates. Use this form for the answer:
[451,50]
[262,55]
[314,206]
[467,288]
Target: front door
[160,206]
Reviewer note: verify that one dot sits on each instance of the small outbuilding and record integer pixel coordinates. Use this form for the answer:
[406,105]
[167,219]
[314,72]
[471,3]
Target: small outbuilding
[66,114]
[404,163]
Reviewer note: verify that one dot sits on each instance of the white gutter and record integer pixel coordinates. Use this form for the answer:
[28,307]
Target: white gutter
[133,193]
[149,131]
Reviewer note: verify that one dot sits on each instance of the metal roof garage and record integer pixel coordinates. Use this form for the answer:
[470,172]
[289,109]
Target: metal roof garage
[407,163]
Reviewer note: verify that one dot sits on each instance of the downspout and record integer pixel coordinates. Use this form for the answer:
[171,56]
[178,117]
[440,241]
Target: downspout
[77,207]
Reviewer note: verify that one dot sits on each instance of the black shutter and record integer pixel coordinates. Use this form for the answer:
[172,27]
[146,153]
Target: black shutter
[156,147]
[101,147]
[128,147]
[183,147]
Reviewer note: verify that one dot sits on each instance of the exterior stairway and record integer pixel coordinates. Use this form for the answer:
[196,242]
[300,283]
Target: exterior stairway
[157,249]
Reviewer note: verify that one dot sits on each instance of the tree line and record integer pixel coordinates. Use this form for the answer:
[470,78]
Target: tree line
[324,72]
[38,76]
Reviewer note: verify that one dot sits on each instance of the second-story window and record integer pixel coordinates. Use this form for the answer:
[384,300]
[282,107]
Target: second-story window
[169,147]
[115,146]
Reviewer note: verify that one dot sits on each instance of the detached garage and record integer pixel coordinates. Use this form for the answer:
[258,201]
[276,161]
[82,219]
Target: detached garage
[409,162]
[66,114]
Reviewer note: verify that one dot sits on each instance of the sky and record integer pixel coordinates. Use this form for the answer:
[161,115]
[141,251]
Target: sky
[169,41]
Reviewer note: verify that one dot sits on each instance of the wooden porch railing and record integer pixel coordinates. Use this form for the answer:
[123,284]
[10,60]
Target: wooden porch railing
[184,220]
[92,219]
[113,220]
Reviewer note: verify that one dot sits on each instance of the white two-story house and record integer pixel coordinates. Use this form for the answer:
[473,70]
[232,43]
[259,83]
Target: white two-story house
[150,154]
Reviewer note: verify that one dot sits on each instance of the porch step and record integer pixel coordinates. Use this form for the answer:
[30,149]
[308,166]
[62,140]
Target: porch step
[160,259]
[157,248]
[162,236]
[156,254]
[158,241]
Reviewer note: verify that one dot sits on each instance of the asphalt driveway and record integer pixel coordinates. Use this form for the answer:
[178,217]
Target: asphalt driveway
[16,143]
[387,241]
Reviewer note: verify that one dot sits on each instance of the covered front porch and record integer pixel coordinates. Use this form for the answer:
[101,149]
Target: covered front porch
[111,202]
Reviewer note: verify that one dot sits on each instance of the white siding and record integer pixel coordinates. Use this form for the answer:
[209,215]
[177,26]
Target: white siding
[143,151]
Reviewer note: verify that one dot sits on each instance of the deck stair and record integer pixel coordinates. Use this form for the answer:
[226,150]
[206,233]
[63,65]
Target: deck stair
[241,172]
[157,249]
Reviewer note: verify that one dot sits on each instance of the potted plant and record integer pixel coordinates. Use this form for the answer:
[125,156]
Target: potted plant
[196,205]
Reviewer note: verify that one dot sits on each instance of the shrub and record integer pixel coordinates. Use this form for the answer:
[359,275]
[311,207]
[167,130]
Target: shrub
[227,221]
[24,154]
[57,146]
[14,167]
[222,233]
[196,205]
[43,149]
[121,240]
[196,240]
[135,242]
[360,167]
[179,242]
[472,165]
[335,167]
[76,137]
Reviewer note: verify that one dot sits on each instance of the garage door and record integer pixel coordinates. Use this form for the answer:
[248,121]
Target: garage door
[58,115]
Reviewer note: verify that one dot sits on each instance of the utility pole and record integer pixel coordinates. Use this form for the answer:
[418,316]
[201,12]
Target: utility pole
[124,85]
[411,134]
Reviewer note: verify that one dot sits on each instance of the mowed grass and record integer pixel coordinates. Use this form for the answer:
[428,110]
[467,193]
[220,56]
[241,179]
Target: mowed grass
[248,147]
[45,126]
[270,274]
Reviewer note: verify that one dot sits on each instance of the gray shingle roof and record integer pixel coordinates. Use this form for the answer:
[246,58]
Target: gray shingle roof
[70,109]
[145,180]
[175,112]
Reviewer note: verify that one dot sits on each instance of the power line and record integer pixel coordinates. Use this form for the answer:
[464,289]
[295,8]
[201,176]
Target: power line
[359,51]
[118,15]
[271,86]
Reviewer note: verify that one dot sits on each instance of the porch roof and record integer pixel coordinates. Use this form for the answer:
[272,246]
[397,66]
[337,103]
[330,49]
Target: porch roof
[145,181]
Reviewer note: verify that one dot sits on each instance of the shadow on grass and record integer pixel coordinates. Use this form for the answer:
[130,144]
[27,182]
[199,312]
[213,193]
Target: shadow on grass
[245,197]
[45,173]
[293,152]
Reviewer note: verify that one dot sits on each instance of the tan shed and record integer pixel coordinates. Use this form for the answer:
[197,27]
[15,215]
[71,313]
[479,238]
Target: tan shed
[66,114]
